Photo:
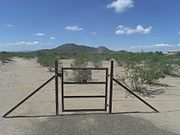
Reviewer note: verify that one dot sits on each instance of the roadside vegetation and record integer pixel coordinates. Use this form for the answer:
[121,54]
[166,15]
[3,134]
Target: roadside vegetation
[145,69]
[5,57]
[141,69]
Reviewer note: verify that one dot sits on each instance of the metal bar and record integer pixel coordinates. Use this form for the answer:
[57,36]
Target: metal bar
[22,101]
[56,88]
[106,89]
[111,87]
[135,95]
[62,89]
[84,82]
[97,96]
[59,74]
[82,110]
[69,68]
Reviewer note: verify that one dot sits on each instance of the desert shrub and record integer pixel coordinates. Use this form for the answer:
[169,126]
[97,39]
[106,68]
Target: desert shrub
[26,55]
[97,62]
[134,75]
[5,57]
[79,75]
[176,58]
[142,71]
[79,62]
[47,59]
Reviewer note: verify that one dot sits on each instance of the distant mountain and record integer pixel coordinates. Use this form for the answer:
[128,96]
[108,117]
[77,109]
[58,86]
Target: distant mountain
[103,49]
[71,47]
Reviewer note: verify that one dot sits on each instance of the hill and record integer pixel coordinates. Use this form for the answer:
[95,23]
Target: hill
[71,47]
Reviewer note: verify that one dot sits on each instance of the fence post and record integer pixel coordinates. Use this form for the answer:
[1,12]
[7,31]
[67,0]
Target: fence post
[62,88]
[56,88]
[111,86]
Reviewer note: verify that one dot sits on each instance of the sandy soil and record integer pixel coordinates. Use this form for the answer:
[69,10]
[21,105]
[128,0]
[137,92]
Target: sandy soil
[21,77]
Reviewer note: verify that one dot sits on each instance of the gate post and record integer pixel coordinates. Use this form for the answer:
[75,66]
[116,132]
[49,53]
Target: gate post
[111,86]
[56,88]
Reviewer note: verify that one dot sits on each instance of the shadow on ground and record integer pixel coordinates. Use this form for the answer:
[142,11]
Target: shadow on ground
[101,124]
[94,124]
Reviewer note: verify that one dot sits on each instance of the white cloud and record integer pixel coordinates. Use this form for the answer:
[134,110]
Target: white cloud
[121,30]
[52,38]
[178,32]
[40,34]
[9,26]
[73,28]
[21,46]
[165,47]
[20,43]
[121,5]
[93,33]
[161,45]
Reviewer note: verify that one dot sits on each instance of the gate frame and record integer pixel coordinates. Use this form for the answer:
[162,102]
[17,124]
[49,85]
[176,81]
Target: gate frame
[84,96]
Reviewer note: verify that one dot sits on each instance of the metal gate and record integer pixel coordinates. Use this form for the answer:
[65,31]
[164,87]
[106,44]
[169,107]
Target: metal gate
[83,82]
[63,82]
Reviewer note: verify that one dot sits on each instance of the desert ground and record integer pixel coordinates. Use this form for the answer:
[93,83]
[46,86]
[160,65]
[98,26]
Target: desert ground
[21,76]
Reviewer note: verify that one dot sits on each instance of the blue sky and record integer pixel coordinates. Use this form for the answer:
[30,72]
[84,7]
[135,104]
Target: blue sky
[133,25]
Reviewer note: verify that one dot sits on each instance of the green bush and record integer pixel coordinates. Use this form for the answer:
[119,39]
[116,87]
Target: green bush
[79,62]
[142,71]
[5,57]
